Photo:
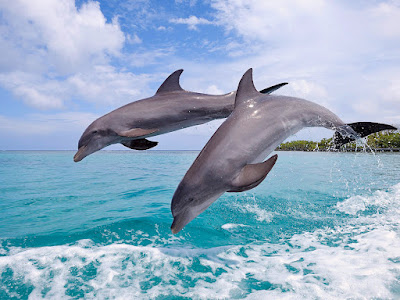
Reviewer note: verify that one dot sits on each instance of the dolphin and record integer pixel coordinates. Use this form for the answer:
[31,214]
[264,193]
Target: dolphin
[232,160]
[171,108]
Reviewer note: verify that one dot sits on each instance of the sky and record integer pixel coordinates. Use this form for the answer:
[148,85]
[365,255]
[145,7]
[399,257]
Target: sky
[64,63]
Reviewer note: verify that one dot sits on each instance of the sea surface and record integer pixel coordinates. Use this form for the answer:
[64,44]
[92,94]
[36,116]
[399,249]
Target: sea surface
[320,226]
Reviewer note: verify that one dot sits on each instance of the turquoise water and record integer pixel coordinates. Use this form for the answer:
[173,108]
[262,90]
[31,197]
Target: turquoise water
[321,226]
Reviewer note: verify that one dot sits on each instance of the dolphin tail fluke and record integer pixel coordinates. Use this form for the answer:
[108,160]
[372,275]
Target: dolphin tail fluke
[252,175]
[362,129]
[273,88]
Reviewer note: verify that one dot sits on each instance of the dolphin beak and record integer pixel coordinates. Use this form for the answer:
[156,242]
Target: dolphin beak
[175,228]
[181,220]
[80,154]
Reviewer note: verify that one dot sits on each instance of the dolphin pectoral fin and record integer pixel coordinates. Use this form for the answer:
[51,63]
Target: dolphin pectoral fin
[362,129]
[273,88]
[140,144]
[252,175]
[136,132]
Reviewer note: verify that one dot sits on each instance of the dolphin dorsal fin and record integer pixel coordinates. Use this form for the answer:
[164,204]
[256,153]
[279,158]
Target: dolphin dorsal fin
[246,89]
[171,84]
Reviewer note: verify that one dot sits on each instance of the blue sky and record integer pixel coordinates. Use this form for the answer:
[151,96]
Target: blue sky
[63,63]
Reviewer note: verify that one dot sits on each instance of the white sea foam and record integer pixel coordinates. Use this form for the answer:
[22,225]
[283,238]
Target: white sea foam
[304,267]
[229,226]
[261,215]
[380,199]
[358,260]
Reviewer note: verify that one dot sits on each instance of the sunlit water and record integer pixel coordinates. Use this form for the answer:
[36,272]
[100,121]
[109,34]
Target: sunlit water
[321,226]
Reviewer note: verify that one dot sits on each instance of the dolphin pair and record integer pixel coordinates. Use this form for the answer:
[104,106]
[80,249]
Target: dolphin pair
[170,109]
[232,160]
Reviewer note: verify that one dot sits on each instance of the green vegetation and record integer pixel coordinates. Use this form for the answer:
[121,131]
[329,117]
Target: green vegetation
[301,145]
[381,141]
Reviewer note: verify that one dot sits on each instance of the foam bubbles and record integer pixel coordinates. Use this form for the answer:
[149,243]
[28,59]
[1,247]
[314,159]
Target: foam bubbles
[346,262]
[358,258]
[261,215]
[379,199]
[229,226]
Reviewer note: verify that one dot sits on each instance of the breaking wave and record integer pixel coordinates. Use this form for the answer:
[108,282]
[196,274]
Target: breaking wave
[353,260]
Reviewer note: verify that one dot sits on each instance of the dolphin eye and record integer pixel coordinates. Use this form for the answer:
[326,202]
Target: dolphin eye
[94,131]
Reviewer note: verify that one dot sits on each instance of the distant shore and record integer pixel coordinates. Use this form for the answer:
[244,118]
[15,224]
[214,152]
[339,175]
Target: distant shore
[386,141]
[360,149]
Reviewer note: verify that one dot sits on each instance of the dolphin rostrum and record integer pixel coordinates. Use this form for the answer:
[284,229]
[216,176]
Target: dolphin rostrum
[170,109]
[232,160]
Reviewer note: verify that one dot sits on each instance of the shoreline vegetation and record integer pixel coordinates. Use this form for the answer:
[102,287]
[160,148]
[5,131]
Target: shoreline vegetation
[385,141]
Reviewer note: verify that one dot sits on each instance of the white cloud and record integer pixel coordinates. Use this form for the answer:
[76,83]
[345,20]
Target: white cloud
[192,22]
[35,90]
[103,85]
[213,90]
[133,39]
[257,20]
[386,18]
[191,2]
[52,52]
[43,125]
[56,33]
[37,99]
[144,57]
[307,89]
[391,92]
[311,91]
[339,54]
[108,86]
[59,131]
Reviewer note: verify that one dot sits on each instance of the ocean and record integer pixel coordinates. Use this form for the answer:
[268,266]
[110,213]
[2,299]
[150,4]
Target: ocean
[320,226]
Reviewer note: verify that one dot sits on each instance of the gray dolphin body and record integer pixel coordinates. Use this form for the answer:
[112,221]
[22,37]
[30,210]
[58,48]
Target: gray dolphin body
[170,109]
[231,161]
